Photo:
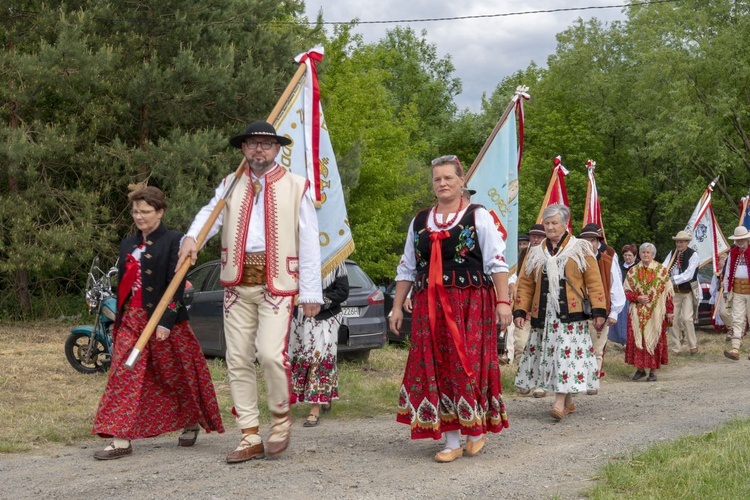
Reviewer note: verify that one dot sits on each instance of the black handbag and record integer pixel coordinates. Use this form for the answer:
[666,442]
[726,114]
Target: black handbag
[343,335]
[584,300]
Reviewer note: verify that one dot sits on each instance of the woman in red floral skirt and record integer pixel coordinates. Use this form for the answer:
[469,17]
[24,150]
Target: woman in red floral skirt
[454,259]
[170,387]
[649,290]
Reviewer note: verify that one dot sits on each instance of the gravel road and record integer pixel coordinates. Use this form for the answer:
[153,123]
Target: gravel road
[373,458]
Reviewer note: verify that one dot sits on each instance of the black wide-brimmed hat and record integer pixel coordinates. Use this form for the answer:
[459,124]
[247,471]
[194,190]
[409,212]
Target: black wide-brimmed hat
[591,231]
[259,129]
[537,230]
[523,237]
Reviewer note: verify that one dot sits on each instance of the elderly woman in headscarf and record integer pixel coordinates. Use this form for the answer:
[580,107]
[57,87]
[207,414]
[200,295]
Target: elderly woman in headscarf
[557,278]
[648,287]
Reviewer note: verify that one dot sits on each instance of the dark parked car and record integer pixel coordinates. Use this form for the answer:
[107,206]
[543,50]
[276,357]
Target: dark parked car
[705,309]
[363,312]
[390,293]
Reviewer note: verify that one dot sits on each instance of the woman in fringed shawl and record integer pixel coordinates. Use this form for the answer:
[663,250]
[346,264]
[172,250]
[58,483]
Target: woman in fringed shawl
[649,290]
[454,258]
[556,278]
[313,346]
[170,387]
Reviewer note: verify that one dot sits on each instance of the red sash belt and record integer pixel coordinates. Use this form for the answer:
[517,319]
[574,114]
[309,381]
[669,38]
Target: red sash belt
[436,290]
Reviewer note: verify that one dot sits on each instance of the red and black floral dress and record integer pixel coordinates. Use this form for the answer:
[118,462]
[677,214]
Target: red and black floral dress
[452,376]
[170,386]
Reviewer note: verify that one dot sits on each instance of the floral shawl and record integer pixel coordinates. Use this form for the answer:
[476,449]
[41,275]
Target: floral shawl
[652,281]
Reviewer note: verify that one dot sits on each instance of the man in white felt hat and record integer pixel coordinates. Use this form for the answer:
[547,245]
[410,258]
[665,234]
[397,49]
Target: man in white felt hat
[737,288]
[683,267]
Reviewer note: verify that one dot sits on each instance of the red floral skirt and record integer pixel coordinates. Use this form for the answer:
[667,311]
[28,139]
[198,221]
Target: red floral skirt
[437,395]
[641,358]
[168,389]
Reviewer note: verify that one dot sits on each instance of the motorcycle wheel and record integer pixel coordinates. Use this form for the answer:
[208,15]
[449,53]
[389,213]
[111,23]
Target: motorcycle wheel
[75,350]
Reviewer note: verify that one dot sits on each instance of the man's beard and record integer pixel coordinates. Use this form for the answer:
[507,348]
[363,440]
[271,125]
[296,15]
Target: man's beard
[260,164]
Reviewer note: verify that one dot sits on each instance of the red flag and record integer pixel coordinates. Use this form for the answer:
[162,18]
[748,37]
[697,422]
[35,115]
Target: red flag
[592,211]
[557,193]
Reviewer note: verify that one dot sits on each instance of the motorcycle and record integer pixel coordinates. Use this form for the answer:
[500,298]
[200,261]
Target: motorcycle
[88,348]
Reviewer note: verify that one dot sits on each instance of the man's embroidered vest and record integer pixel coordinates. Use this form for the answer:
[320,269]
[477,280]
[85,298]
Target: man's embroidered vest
[282,197]
[682,261]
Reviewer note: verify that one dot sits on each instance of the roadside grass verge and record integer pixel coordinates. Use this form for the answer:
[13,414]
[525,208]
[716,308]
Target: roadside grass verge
[44,400]
[714,465]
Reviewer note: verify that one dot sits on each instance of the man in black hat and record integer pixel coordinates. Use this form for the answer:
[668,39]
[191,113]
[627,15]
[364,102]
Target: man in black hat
[609,269]
[523,242]
[270,252]
[467,193]
[536,235]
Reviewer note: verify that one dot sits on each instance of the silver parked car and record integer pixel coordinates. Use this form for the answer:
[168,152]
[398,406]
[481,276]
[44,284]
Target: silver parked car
[363,312]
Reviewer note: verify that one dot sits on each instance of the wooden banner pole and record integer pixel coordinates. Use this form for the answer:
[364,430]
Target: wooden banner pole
[182,271]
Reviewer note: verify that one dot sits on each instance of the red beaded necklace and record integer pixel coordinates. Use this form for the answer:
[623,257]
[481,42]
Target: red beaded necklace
[449,222]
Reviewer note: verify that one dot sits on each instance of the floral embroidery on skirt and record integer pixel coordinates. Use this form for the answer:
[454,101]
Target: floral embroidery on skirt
[558,357]
[436,395]
[641,358]
[312,351]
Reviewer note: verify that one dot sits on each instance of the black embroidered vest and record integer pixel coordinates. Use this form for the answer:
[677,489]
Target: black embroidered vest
[682,261]
[462,257]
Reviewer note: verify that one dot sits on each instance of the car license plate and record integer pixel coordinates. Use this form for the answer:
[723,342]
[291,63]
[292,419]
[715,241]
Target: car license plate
[350,312]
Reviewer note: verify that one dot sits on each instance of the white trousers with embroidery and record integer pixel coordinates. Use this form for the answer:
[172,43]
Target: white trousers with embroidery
[256,326]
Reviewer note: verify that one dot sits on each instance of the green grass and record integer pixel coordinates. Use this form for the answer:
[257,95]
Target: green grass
[714,465]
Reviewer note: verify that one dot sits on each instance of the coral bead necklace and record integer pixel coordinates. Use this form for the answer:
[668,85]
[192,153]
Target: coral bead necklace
[449,222]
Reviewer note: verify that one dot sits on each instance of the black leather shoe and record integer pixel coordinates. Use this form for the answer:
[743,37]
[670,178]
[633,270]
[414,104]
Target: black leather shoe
[639,375]
[189,436]
[651,377]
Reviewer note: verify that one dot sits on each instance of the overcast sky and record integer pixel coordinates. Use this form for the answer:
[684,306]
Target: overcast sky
[484,50]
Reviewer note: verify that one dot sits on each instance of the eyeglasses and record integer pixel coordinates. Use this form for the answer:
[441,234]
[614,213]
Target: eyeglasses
[445,159]
[264,145]
[136,213]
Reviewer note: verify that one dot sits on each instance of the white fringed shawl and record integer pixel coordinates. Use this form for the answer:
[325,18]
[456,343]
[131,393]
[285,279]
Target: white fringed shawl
[574,249]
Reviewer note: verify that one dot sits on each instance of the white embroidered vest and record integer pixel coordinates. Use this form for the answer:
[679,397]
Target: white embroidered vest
[282,197]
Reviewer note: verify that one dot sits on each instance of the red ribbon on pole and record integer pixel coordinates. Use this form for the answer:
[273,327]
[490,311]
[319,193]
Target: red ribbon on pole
[310,59]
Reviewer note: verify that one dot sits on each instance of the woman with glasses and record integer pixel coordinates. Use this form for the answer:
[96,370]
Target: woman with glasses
[453,257]
[170,387]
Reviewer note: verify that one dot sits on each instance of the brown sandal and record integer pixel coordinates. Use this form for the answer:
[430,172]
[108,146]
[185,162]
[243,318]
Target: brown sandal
[557,414]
